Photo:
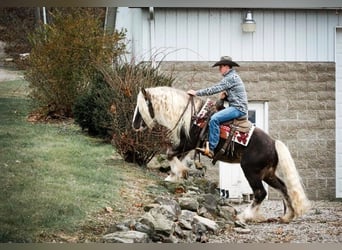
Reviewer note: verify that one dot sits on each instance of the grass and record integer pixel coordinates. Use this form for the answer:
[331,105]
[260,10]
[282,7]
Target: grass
[53,178]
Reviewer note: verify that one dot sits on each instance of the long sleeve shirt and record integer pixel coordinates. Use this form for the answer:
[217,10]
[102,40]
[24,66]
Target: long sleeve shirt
[232,84]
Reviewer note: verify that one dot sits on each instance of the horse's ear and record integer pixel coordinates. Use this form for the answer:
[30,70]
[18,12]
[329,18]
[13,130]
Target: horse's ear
[147,97]
[143,91]
[146,94]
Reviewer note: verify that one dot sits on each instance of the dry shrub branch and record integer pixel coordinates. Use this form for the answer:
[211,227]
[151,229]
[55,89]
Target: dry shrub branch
[125,82]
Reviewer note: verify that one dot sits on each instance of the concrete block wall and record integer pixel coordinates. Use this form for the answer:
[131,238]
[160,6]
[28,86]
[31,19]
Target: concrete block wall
[301,98]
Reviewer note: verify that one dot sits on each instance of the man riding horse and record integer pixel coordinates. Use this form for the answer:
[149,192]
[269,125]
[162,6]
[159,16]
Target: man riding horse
[260,159]
[233,90]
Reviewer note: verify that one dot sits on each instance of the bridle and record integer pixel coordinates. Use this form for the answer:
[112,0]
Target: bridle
[147,98]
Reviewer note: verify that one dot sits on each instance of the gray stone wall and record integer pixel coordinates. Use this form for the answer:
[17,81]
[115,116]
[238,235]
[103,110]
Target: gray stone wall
[301,99]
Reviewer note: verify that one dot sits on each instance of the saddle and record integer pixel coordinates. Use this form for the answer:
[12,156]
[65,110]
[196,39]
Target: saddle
[241,124]
[238,130]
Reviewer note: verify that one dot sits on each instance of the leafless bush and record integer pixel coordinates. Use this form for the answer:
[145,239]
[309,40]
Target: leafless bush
[125,81]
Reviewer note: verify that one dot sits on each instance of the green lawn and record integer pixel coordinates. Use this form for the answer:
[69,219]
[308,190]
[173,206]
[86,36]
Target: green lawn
[52,176]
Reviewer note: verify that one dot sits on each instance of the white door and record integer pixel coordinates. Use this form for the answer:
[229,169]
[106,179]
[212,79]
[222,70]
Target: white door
[338,100]
[232,178]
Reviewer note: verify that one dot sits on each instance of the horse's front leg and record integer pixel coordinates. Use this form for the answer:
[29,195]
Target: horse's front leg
[179,171]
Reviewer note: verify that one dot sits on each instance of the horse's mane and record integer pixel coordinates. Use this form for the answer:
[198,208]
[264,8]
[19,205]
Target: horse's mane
[169,104]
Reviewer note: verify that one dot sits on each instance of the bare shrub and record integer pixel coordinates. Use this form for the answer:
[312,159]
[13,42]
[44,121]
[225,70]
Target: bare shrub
[113,110]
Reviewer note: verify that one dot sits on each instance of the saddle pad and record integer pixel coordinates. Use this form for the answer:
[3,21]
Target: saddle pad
[239,137]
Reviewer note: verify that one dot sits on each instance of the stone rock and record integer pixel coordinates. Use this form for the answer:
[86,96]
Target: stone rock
[125,225]
[117,227]
[224,202]
[186,218]
[199,231]
[174,187]
[167,211]
[197,172]
[144,227]
[189,236]
[161,223]
[210,202]
[159,162]
[170,205]
[209,224]
[206,186]
[191,217]
[185,224]
[127,237]
[188,203]
[179,232]
[202,211]
[193,190]
[148,207]
[222,223]
[227,212]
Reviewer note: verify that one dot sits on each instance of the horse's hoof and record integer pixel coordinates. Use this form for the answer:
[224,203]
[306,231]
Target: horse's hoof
[198,165]
[284,220]
[259,219]
[272,220]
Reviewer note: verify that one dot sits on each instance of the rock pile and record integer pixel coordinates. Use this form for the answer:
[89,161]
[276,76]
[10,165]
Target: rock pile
[190,216]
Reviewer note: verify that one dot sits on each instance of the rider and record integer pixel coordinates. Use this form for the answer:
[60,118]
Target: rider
[233,91]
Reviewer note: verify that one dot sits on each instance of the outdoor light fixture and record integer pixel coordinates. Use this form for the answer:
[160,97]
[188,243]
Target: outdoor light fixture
[249,25]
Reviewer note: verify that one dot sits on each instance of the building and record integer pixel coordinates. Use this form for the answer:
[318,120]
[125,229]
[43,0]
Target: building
[291,65]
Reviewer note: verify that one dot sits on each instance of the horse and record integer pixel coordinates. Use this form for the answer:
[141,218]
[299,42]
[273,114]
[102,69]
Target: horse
[174,109]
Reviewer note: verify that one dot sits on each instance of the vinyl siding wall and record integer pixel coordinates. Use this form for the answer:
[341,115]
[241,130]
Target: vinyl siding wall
[205,34]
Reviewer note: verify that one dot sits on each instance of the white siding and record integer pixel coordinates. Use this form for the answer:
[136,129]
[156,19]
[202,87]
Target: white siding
[279,35]
[205,34]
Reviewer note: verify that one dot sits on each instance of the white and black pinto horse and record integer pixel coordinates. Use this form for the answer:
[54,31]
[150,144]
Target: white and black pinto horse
[259,160]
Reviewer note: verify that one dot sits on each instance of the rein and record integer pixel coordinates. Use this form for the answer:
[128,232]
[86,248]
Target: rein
[193,110]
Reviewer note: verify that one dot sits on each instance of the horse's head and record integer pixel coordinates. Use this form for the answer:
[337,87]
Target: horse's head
[144,113]
[169,107]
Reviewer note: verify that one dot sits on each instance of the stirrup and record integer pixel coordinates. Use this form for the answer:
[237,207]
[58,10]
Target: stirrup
[206,151]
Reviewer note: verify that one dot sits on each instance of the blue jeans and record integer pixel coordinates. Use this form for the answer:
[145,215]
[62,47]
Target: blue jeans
[219,117]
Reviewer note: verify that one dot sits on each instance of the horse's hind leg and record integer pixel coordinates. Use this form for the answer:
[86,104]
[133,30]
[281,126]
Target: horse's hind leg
[252,213]
[278,184]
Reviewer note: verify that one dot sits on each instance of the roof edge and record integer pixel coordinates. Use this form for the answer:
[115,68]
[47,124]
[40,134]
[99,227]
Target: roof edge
[247,4]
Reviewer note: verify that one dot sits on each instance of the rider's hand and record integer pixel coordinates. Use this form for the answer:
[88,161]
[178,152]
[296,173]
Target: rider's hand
[223,95]
[192,92]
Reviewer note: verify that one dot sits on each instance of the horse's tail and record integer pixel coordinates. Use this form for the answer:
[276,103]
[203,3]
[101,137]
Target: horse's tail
[295,189]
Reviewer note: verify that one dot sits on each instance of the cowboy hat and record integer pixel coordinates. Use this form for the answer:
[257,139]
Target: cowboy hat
[226,60]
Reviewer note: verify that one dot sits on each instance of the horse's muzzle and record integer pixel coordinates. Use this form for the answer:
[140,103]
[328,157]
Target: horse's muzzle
[140,129]
[140,125]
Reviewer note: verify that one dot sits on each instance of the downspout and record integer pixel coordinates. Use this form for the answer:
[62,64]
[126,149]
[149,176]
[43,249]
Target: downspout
[110,20]
[44,15]
[152,38]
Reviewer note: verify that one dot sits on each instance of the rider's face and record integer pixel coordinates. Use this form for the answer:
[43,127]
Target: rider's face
[223,69]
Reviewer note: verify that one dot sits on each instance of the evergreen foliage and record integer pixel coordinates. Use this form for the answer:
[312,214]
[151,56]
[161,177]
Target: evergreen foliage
[61,62]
